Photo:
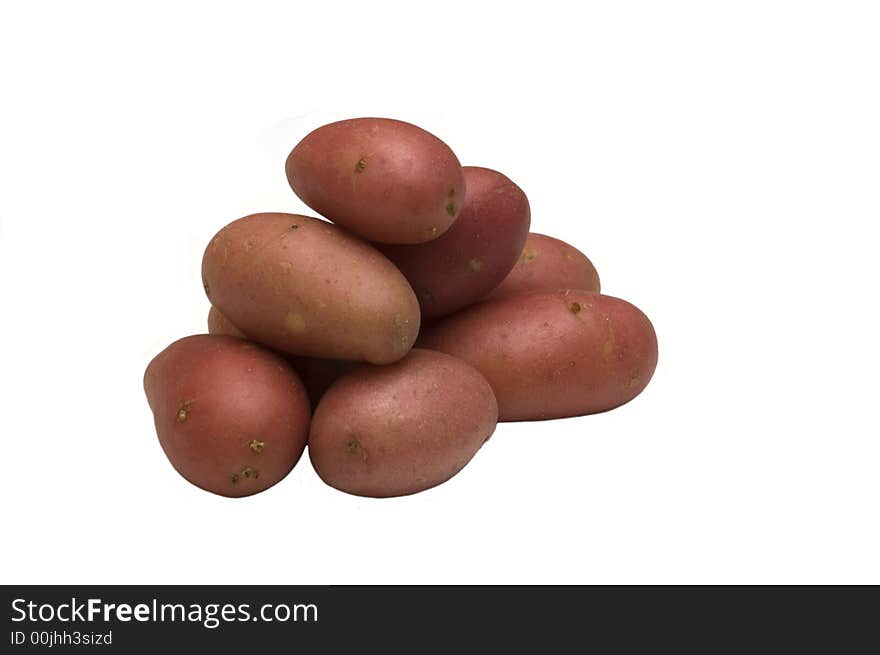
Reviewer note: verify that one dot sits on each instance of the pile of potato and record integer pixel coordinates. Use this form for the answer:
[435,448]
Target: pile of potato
[394,338]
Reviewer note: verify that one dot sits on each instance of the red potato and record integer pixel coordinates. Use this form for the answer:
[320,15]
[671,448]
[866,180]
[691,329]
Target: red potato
[552,354]
[476,253]
[382,179]
[316,374]
[306,287]
[231,416]
[219,324]
[395,430]
[547,264]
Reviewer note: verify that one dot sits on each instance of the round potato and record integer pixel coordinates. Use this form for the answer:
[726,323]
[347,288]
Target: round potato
[232,417]
[394,430]
[305,287]
[476,253]
[547,264]
[316,374]
[553,354]
[383,179]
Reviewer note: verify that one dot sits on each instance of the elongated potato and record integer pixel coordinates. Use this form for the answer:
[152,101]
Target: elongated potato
[476,253]
[316,374]
[547,264]
[305,287]
[394,430]
[231,416]
[382,179]
[553,354]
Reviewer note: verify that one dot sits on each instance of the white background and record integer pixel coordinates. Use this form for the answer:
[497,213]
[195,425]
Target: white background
[718,161]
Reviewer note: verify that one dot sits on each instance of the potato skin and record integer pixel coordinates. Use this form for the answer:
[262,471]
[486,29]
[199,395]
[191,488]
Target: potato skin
[476,253]
[318,374]
[553,354]
[315,373]
[219,324]
[394,430]
[305,287]
[385,180]
[547,264]
[231,416]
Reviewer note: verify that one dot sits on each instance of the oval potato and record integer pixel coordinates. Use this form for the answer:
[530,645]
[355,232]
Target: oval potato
[231,416]
[476,253]
[394,430]
[305,287]
[382,179]
[547,264]
[553,354]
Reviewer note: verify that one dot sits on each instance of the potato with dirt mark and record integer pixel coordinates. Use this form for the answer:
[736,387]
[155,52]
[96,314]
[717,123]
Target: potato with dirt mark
[305,287]
[385,180]
[548,264]
[476,253]
[316,374]
[552,354]
[395,430]
[231,416]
